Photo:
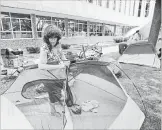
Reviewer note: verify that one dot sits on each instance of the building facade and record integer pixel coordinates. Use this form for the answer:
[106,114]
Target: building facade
[24,20]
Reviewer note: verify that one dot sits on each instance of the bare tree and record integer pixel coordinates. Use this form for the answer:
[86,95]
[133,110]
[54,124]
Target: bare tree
[156,23]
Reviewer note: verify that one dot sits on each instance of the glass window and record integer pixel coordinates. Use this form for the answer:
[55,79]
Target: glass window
[94,27]
[76,27]
[41,21]
[61,24]
[91,28]
[114,5]
[125,7]
[100,2]
[55,23]
[120,5]
[73,27]
[15,15]
[134,7]
[17,34]
[6,35]
[109,30]
[147,8]
[118,30]
[99,29]
[107,3]
[1,28]
[80,27]
[139,8]
[90,1]
[129,7]
[15,24]
[40,25]
[5,14]
[39,34]
[25,25]
[6,24]
[26,34]
[85,27]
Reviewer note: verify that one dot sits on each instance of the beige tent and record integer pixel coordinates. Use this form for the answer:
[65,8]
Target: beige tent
[141,53]
[144,31]
[12,117]
[93,81]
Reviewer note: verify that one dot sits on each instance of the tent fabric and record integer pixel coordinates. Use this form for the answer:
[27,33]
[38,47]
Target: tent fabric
[141,54]
[11,116]
[93,81]
[52,87]
[130,111]
[29,76]
[131,32]
[35,74]
[114,65]
[110,105]
[96,82]
[144,30]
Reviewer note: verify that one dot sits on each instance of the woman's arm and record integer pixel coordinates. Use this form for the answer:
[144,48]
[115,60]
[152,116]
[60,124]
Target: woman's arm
[62,56]
[43,56]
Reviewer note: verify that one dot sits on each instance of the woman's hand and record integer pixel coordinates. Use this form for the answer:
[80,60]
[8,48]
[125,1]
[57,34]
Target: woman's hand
[43,56]
[66,63]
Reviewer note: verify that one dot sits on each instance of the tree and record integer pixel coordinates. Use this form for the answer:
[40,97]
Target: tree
[156,23]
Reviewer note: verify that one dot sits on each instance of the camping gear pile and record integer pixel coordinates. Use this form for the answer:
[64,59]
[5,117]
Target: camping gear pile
[11,58]
[33,49]
[13,62]
[92,52]
[89,52]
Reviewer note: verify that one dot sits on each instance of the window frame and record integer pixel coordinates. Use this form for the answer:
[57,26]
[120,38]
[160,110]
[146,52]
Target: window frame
[12,31]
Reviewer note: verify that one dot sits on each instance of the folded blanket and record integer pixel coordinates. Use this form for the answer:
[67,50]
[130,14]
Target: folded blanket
[90,106]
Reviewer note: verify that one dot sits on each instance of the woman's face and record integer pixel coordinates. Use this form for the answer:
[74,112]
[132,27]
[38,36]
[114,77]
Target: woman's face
[53,41]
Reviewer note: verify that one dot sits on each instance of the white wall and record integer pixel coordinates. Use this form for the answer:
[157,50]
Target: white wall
[74,9]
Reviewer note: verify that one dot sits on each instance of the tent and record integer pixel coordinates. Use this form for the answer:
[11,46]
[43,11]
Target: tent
[144,30]
[131,32]
[93,80]
[141,53]
[11,116]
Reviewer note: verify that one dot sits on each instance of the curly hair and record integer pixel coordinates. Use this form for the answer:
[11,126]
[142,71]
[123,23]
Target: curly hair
[49,32]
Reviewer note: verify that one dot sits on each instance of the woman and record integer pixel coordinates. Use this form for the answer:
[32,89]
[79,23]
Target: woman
[51,52]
